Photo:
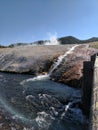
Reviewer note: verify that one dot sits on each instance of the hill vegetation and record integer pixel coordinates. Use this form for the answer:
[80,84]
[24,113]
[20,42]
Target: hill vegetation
[2,46]
[63,40]
[73,40]
[94,44]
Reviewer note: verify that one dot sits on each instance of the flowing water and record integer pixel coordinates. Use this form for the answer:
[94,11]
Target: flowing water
[60,58]
[41,104]
[55,65]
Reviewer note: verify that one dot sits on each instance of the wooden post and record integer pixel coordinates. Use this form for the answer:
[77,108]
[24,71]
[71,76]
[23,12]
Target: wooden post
[87,86]
[94,103]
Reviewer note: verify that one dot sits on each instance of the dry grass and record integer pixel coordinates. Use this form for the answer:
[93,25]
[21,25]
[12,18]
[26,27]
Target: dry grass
[94,44]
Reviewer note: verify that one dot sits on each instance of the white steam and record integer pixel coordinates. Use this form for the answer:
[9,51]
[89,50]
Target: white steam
[52,40]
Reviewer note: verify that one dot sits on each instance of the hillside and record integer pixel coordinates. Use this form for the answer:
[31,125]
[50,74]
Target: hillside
[62,40]
[73,40]
[69,40]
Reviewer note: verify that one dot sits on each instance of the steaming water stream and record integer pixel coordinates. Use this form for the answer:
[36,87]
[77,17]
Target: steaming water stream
[60,58]
[55,65]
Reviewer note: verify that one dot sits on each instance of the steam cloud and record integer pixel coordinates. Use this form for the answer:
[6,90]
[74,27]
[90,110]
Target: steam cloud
[52,40]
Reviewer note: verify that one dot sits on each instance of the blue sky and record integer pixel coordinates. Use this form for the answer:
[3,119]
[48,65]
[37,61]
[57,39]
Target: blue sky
[32,20]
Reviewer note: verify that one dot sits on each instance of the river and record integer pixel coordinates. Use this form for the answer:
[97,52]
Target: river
[39,105]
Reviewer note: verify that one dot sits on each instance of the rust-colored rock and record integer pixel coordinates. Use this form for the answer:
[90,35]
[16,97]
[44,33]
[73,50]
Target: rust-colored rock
[70,71]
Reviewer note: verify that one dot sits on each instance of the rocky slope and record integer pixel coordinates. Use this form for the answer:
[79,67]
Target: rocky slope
[70,71]
[29,59]
[36,60]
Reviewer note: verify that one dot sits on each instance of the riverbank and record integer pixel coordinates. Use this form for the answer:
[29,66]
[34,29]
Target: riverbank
[40,59]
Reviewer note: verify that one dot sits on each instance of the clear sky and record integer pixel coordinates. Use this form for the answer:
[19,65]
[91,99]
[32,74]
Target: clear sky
[32,20]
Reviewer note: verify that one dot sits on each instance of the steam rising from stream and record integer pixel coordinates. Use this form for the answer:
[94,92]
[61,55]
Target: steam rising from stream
[55,65]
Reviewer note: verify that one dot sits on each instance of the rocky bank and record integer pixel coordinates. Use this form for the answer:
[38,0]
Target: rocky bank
[37,60]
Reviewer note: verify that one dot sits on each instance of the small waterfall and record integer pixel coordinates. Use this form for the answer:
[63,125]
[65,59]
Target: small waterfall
[60,58]
[39,77]
[56,64]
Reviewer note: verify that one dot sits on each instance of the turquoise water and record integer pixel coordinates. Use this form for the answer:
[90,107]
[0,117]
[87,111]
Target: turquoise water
[41,105]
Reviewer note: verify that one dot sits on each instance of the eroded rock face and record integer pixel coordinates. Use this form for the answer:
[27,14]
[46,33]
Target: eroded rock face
[37,60]
[70,71]
[29,59]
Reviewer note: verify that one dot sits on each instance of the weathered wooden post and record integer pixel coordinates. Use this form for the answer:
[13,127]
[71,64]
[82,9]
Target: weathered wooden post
[87,84]
[94,103]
